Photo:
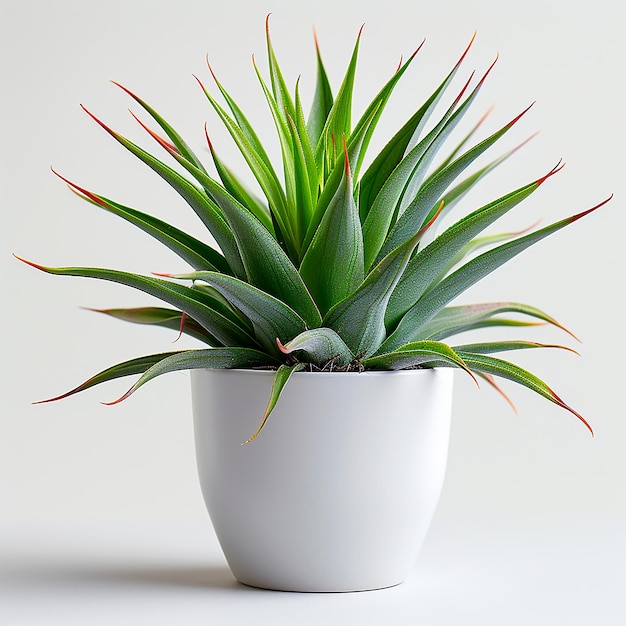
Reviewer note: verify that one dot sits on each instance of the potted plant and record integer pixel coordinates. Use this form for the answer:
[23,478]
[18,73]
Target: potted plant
[328,299]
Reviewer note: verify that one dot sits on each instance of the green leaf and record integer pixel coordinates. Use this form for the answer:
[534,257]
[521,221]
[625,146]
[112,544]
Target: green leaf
[192,302]
[319,346]
[415,354]
[428,263]
[212,358]
[322,100]
[127,368]
[408,173]
[279,86]
[220,194]
[505,369]
[418,209]
[302,138]
[160,316]
[287,150]
[463,278]
[453,196]
[176,139]
[354,146]
[239,192]
[205,208]
[265,263]
[271,318]
[394,151]
[333,265]
[477,244]
[260,166]
[339,121]
[489,347]
[457,149]
[198,254]
[267,266]
[372,113]
[457,319]
[307,177]
[283,374]
[305,190]
[359,319]
[240,120]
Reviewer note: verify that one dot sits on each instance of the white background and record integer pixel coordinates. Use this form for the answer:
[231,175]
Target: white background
[101,515]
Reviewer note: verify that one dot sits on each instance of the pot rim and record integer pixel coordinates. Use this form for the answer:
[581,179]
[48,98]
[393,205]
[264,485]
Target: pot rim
[365,373]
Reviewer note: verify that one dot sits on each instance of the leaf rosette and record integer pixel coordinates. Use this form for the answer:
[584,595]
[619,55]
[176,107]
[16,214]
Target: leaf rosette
[335,262]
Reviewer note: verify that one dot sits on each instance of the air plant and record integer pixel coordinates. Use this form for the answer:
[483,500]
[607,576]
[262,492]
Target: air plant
[334,266]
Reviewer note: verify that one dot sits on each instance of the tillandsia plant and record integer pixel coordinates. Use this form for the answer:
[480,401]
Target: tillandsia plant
[329,269]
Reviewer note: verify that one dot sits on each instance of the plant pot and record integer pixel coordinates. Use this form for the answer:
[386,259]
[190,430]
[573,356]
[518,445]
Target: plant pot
[338,490]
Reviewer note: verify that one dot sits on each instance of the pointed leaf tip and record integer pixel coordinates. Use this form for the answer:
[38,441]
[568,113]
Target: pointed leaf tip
[208,139]
[201,84]
[578,216]
[31,263]
[417,50]
[517,117]
[99,121]
[316,40]
[346,157]
[557,168]
[128,91]
[160,140]
[484,78]
[74,187]
[467,49]
[217,82]
[183,319]
[572,411]
[120,399]
[490,379]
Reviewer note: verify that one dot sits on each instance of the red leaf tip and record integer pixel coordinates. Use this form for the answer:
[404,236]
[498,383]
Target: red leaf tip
[557,168]
[316,40]
[208,139]
[31,263]
[417,50]
[467,49]
[98,121]
[80,190]
[576,217]
[128,91]
[160,140]
[120,399]
[562,404]
[183,319]
[484,78]
[281,346]
[200,83]
[211,69]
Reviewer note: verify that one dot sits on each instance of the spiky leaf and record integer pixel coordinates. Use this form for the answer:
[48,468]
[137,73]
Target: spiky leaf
[428,306]
[213,358]
[281,378]
[319,346]
[333,265]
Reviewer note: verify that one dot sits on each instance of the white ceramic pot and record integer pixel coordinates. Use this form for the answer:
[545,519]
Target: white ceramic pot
[338,490]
